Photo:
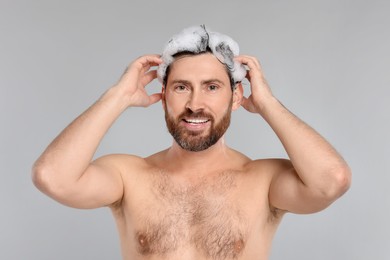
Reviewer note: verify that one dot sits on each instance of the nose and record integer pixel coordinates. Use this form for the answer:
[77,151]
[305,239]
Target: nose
[195,101]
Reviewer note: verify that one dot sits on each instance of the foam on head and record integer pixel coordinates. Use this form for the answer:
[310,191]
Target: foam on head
[197,39]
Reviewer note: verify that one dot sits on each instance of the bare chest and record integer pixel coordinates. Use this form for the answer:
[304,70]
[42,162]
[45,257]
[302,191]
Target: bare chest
[206,216]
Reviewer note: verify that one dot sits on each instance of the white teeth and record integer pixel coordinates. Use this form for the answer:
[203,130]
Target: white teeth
[197,121]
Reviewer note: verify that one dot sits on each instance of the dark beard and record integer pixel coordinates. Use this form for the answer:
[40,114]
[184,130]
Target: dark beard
[196,141]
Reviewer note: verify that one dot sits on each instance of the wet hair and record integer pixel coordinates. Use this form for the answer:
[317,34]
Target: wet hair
[190,53]
[198,40]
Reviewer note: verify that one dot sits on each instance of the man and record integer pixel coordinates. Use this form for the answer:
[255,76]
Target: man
[198,199]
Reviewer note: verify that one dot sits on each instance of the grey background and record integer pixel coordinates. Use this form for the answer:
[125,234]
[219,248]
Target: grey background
[327,61]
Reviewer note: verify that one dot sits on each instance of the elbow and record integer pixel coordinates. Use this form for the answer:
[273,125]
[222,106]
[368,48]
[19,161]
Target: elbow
[40,176]
[44,178]
[343,179]
[339,183]
[50,181]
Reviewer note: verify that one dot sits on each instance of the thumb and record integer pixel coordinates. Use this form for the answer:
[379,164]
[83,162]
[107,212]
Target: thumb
[154,98]
[244,102]
[247,103]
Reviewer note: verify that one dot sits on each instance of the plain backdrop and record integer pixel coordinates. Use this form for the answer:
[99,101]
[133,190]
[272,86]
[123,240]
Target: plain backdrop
[327,61]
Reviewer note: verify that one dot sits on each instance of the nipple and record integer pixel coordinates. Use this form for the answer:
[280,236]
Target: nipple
[238,246]
[144,247]
[142,240]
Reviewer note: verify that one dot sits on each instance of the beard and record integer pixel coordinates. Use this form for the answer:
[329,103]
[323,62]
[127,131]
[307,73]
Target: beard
[196,141]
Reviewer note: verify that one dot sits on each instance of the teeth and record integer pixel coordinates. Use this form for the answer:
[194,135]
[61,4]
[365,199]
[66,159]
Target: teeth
[197,121]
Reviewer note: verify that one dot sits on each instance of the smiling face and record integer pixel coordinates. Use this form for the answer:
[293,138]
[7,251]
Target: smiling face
[198,101]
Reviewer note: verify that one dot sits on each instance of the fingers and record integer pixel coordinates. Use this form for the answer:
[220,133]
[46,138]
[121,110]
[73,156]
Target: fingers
[149,77]
[139,69]
[254,68]
[149,61]
[253,65]
[144,63]
[250,61]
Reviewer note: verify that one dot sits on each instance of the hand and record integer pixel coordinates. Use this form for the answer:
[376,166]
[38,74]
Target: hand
[260,91]
[136,77]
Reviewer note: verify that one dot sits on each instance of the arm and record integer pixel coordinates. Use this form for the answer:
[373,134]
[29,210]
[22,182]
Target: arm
[317,175]
[65,172]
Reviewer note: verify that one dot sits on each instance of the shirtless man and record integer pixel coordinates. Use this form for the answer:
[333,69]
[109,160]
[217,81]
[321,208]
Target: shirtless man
[198,199]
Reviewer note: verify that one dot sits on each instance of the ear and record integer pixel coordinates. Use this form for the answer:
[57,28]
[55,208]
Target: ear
[163,96]
[238,93]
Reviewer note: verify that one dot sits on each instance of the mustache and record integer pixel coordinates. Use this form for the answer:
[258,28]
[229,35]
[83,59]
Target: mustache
[200,114]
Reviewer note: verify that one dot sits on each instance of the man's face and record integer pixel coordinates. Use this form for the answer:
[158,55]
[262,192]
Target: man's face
[197,101]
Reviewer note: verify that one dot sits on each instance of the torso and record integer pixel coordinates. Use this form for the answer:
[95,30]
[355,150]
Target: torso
[224,215]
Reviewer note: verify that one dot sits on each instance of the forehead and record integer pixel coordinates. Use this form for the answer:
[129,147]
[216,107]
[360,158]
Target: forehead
[198,67]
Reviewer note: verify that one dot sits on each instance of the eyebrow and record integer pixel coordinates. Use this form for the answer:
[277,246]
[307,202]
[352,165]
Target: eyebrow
[181,81]
[203,82]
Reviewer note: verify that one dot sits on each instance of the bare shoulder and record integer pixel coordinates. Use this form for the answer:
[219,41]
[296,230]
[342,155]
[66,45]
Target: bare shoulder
[263,170]
[266,166]
[269,165]
[124,163]
[117,159]
[261,167]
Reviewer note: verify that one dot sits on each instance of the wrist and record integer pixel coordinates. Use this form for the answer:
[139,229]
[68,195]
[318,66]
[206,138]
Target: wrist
[269,106]
[116,97]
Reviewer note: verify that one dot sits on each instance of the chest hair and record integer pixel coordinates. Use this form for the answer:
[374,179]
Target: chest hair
[203,215]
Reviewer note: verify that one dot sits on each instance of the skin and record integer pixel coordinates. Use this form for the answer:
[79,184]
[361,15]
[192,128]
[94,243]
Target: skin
[177,204]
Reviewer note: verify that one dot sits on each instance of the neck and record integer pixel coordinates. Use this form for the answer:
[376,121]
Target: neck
[195,162]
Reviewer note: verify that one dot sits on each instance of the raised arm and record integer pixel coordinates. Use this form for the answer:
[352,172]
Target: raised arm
[316,175]
[65,172]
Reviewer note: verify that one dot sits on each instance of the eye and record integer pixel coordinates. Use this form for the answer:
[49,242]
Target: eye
[212,88]
[181,88]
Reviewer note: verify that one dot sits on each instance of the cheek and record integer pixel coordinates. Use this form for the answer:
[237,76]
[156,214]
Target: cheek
[174,105]
[169,110]
[222,106]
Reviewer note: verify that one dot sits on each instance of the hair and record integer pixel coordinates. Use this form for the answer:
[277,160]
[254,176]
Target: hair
[190,53]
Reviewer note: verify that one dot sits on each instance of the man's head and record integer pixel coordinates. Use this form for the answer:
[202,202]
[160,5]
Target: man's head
[197,40]
[197,95]
[183,54]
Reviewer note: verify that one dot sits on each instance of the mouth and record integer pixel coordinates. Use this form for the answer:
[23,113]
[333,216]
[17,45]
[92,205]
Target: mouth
[196,121]
[196,124]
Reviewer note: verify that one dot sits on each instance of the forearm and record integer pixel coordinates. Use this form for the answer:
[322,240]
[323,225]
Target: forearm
[70,153]
[314,159]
